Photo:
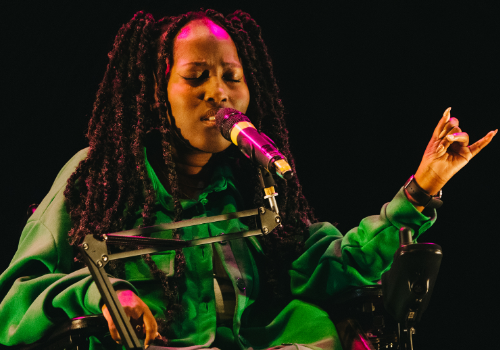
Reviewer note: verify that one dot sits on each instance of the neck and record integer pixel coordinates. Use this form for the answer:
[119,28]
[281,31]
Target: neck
[193,169]
[191,164]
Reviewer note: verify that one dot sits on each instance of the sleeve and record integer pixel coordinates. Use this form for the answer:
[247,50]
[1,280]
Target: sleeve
[332,262]
[40,288]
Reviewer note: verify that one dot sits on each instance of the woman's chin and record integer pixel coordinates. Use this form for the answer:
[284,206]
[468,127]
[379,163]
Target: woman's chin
[214,147]
[208,145]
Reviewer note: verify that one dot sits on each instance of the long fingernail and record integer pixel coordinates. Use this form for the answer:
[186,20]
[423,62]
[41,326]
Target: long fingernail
[447,113]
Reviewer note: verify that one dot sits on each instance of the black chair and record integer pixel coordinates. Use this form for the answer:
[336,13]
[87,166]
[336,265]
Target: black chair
[384,316]
[73,334]
[362,321]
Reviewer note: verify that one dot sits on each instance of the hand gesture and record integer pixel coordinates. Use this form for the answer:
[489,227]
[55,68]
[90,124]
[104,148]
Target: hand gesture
[136,309]
[447,152]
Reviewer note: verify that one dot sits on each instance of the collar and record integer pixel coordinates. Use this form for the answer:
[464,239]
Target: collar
[221,178]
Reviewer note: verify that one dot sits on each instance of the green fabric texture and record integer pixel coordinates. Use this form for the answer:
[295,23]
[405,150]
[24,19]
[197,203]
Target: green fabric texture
[40,287]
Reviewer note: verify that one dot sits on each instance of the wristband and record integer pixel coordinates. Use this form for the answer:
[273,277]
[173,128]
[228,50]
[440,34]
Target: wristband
[421,197]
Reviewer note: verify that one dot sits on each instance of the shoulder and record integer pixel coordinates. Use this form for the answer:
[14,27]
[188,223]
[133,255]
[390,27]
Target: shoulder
[55,197]
[70,167]
[46,231]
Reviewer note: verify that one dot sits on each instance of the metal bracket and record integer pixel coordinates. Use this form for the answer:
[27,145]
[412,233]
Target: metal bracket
[269,220]
[95,248]
[93,251]
[95,254]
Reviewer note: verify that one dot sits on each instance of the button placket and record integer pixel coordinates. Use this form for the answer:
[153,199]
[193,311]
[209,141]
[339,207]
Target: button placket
[229,262]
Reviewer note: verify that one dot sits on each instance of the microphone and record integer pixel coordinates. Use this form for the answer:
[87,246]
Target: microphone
[236,127]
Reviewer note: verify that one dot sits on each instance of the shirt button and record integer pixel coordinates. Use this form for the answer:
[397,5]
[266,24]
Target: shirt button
[240,284]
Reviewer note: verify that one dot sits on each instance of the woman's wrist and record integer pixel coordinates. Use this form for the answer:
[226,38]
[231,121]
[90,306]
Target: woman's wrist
[429,181]
[420,198]
[420,208]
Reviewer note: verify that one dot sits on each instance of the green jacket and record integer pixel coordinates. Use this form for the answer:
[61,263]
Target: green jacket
[41,288]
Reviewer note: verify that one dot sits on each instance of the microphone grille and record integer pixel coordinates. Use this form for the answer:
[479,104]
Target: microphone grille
[226,118]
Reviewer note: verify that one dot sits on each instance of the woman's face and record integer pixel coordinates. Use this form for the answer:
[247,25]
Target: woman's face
[206,75]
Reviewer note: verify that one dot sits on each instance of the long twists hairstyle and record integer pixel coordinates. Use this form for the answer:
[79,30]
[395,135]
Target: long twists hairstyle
[111,184]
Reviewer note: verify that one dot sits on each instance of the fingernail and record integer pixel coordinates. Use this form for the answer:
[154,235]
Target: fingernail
[440,148]
[450,137]
[447,113]
[147,346]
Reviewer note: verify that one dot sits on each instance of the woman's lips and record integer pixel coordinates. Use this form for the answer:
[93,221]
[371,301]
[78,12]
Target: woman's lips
[210,115]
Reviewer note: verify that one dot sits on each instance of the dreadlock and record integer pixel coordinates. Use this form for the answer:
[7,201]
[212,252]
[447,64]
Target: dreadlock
[111,184]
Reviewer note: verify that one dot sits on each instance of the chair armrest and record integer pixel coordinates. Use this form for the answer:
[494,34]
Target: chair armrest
[71,333]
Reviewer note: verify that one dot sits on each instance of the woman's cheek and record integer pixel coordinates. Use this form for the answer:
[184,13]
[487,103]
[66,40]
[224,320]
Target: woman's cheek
[243,102]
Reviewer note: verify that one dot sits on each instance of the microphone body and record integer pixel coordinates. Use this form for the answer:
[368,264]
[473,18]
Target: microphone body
[236,127]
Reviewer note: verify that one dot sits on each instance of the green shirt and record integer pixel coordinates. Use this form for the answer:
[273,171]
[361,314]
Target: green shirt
[41,288]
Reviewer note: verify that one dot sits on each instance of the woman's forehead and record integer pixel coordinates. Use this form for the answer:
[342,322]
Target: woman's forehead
[203,40]
[202,27]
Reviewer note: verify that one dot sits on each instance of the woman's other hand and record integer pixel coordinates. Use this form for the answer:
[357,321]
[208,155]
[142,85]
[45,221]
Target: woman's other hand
[447,152]
[136,309]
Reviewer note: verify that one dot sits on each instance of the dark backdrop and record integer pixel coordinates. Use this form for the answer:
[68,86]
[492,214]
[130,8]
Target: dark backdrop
[364,85]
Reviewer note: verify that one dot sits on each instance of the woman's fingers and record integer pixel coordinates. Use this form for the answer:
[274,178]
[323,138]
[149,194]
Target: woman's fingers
[479,145]
[460,137]
[140,314]
[450,127]
[447,140]
[111,325]
[442,123]
[151,328]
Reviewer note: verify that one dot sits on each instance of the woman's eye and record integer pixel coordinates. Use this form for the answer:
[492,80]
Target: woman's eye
[232,77]
[202,76]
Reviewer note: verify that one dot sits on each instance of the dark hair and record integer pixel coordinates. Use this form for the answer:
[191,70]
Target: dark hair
[111,183]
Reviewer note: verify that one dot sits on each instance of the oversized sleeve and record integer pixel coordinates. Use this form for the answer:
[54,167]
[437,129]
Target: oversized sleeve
[332,262]
[40,288]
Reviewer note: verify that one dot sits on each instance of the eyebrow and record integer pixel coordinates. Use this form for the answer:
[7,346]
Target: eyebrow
[204,64]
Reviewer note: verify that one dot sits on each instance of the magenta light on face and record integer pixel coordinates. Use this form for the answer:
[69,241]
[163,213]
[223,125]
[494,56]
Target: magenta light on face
[184,33]
[219,32]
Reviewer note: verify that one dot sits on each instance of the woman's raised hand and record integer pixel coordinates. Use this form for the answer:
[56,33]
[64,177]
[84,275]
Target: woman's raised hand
[135,308]
[447,152]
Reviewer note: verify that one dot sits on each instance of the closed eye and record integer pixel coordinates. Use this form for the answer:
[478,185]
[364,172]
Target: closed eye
[232,78]
[203,76]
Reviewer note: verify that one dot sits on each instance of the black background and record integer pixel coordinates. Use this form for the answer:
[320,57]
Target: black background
[364,84]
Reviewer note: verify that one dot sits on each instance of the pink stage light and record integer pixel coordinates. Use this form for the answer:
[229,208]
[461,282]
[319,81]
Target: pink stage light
[219,32]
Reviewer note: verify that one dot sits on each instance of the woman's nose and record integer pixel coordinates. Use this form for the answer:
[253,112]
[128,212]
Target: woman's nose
[216,91]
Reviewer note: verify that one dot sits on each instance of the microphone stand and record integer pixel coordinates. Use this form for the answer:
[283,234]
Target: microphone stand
[94,249]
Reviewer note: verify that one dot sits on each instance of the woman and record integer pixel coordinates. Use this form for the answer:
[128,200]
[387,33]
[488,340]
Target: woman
[155,156]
